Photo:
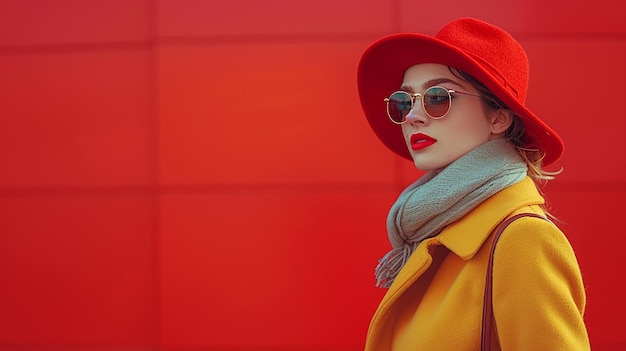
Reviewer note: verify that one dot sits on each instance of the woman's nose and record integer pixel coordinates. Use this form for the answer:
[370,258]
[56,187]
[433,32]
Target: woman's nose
[417,115]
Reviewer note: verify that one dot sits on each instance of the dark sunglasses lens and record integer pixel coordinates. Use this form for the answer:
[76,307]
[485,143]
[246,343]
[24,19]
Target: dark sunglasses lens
[436,101]
[399,106]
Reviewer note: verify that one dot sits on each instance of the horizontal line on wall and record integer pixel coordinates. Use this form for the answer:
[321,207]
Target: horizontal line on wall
[75,47]
[208,347]
[570,36]
[207,40]
[586,186]
[72,347]
[191,189]
[288,38]
[80,191]
[359,37]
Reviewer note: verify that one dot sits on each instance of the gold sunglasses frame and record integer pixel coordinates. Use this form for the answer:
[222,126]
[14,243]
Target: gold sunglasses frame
[415,96]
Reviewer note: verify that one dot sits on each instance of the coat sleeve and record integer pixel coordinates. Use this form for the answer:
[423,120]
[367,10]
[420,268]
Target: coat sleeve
[538,292]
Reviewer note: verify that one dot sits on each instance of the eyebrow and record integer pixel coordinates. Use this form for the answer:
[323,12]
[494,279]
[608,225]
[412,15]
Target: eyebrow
[433,82]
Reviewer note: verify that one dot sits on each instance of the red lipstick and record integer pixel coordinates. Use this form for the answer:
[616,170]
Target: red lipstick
[421,141]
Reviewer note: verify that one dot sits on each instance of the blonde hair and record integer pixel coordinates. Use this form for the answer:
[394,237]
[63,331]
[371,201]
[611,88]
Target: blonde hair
[533,157]
[515,134]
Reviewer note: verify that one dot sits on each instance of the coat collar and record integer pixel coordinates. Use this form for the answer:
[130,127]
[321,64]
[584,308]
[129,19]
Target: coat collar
[465,236]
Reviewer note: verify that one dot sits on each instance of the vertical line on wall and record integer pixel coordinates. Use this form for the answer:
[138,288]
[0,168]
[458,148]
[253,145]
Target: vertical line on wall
[153,106]
[396,15]
[396,26]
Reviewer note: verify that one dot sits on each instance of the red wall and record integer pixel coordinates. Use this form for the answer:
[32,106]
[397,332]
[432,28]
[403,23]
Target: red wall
[199,173]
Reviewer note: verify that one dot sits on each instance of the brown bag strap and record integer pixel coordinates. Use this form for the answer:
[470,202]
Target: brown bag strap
[485,342]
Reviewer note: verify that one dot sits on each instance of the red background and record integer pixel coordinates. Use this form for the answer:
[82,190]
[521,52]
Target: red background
[198,174]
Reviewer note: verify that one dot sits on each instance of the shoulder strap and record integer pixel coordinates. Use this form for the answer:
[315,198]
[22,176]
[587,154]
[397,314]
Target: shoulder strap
[485,342]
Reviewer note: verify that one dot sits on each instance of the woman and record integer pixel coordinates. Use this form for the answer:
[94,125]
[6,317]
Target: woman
[454,104]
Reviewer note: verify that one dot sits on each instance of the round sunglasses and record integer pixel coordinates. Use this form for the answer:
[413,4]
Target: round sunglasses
[436,102]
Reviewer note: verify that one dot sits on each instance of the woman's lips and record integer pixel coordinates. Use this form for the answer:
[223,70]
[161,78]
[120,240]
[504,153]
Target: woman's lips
[420,141]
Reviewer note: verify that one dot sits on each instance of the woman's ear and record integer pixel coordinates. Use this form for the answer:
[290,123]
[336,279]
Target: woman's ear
[501,120]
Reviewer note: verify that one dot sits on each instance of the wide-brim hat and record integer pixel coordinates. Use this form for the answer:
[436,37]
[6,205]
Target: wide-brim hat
[480,49]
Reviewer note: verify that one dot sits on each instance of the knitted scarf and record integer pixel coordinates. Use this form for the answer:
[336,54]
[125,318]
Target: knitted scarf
[437,199]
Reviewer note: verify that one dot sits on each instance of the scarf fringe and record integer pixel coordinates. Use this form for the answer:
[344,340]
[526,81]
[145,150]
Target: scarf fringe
[389,266]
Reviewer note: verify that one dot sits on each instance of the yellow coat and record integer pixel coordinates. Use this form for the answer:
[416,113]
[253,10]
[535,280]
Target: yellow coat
[538,293]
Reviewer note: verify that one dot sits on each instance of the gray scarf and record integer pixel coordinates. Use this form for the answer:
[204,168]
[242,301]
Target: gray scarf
[435,200]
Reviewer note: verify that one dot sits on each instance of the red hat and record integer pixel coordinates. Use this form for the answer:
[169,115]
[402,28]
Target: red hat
[483,50]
